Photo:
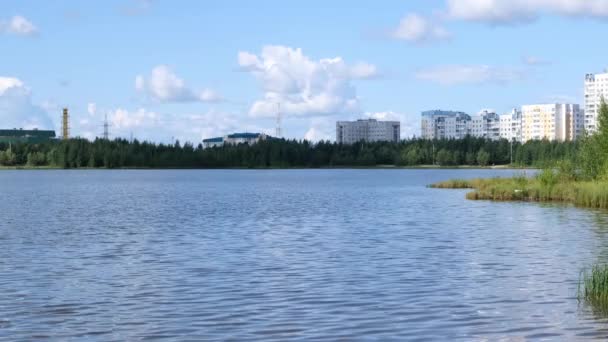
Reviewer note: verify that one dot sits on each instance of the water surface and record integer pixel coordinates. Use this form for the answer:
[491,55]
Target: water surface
[287,255]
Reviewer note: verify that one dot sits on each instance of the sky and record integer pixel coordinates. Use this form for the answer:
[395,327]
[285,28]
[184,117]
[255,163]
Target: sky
[162,70]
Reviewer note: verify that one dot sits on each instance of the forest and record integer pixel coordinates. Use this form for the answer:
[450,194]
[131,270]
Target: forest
[282,153]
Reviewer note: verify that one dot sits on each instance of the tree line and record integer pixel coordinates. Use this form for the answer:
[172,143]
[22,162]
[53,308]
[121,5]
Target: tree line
[282,153]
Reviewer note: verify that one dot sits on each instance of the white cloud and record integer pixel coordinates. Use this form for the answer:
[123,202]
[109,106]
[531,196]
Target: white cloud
[363,71]
[535,61]
[18,25]
[7,83]
[470,74]
[17,109]
[302,86]
[418,29]
[145,124]
[92,109]
[519,11]
[321,129]
[163,85]
[121,118]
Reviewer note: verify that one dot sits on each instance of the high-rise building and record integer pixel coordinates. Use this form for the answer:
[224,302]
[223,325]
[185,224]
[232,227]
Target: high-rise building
[441,124]
[369,130]
[596,87]
[510,126]
[485,125]
[561,122]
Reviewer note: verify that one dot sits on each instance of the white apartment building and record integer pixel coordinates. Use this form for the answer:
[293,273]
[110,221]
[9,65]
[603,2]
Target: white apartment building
[561,122]
[510,126]
[369,130]
[596,87]
[486,124]
[440,124]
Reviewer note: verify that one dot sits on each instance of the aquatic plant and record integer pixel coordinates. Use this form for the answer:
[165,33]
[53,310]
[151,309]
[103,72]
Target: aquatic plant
[547,187]
[593,288]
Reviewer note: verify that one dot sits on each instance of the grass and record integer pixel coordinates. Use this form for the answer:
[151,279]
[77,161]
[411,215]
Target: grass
[593,289]
[545,187]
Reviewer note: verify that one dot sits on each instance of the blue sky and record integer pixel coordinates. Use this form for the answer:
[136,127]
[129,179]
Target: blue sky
[193,69]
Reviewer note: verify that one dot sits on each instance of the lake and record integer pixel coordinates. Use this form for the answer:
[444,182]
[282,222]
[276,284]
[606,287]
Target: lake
[288,255]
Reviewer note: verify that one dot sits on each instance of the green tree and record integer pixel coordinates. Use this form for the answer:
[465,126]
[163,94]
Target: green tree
[483,158]
[594,148]
[444,157]
[8,157]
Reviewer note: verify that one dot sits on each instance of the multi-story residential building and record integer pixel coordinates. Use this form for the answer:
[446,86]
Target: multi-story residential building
[596,87]
[561,122]
[510,126]
[485,125]
[369,130]
[234,139]
[440,124]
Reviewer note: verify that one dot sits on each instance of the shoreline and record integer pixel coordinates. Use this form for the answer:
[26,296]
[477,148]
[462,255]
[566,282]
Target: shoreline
[378,167]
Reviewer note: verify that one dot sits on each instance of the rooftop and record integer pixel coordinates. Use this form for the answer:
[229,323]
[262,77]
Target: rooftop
[244,135]
[212,140]
[436,112]
[27,133]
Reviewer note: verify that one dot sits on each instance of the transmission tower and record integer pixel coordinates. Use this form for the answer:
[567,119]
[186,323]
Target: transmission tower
[278,132]
[65,125]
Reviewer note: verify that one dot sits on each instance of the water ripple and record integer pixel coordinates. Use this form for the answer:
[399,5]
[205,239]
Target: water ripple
[287,255]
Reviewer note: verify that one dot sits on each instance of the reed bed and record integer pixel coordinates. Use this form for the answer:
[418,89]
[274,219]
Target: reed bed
[593,288]
[541,188]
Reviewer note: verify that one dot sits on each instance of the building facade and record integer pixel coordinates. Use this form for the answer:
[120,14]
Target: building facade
[510,126]
[485,125]
[561,122]
[369,130]
[234,139]
[596,87]
[441,124]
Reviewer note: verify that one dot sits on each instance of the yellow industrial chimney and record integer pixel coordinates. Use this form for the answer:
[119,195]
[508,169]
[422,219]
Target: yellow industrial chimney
[65,125]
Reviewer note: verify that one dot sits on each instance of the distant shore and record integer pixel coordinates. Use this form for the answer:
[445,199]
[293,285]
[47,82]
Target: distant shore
[381,167]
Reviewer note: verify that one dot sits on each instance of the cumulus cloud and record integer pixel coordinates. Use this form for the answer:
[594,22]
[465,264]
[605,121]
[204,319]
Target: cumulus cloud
[92,109]
[17,109]
[121,118]
[163,85]
[470,74]
[303,86]
[19,26]
[321,129]
[145,124]
[519,11]
[415,28]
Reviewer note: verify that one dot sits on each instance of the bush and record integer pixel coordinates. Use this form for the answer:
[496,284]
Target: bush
[547,178]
